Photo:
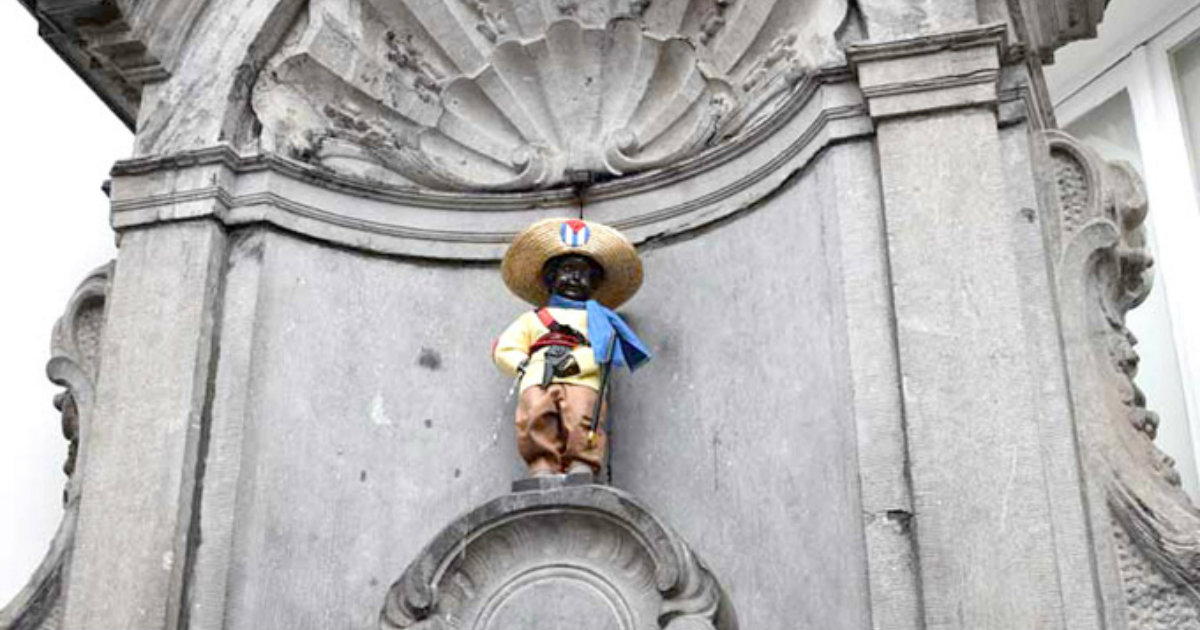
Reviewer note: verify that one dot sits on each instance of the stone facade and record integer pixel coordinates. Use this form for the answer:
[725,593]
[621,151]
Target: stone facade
[892,382]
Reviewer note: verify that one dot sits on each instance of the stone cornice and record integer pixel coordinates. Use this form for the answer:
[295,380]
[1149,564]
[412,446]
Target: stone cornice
[116,46]
[237,189]
[1046,25]
[932,72]
[120,95]
[988,35]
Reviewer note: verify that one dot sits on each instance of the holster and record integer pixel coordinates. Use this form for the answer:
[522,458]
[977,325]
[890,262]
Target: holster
[556,359]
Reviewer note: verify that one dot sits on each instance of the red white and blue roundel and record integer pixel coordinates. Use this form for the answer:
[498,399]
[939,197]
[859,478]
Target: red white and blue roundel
[574,233]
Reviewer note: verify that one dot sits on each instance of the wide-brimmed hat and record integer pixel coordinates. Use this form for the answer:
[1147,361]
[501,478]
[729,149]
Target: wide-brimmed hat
[548,238]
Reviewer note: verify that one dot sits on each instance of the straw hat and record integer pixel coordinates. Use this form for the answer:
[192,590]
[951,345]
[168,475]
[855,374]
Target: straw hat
[538,243]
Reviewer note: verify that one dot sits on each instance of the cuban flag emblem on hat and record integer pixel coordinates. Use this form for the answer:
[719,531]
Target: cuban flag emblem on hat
[574,233]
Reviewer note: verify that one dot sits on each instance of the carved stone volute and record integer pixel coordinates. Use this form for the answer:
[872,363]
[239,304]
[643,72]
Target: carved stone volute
[75,365]
[75,361]
[1103,271]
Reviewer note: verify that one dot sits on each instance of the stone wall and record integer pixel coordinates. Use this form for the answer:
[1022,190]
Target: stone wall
[891,386]
[358,413]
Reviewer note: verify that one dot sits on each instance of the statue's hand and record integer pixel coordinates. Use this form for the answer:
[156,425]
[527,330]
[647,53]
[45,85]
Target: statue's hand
[560,362]
[568,367]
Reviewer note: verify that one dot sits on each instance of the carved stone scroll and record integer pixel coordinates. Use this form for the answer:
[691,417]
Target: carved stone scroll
[575,556]
[512,96]
[1103,271]
[74,364]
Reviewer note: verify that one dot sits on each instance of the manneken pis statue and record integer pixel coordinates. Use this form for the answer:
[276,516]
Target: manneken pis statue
[575,272]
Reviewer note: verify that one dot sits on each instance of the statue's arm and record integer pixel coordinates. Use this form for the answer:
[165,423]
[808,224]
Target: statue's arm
[512,347]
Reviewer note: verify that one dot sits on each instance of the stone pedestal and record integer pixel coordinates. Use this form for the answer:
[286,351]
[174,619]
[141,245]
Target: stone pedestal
[554,557]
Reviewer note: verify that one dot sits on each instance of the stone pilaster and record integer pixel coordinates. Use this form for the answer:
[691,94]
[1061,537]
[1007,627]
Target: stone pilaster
[987,519]
[145,449]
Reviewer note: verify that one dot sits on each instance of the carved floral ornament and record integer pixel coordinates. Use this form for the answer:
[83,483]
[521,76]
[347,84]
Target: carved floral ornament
[504,95]
[1103,272]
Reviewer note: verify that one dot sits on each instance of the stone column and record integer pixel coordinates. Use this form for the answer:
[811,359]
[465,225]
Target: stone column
[987,519]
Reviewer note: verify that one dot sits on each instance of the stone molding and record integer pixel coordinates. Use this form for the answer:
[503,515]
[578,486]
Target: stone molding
[75,365]
[117,47]
[500,96]
[932,72]
[217,182]
[1051,24]
[472,573]
[1103,271]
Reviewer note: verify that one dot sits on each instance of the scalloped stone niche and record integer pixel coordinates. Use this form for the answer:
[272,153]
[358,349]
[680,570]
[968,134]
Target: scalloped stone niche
[507,95]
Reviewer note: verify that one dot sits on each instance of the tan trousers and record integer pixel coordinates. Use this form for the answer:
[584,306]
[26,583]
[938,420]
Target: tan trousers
[552,428]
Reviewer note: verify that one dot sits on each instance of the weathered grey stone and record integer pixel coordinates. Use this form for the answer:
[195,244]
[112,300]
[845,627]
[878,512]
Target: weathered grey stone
[886,20]
[888,525]
[546,482]
[345,315]
[883,395]
[971,421]
[1046,25]
[934,72]
[75,365]
[323,346]
[122,47]
[1153,600]
[1023,155]
[139,463]
[336,451]
[1147,529]
[561,556]
[493,96]
[117,47]
[247,189]
[745,409]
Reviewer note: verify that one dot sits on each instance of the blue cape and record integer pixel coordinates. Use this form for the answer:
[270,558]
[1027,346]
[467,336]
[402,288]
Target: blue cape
[602,324]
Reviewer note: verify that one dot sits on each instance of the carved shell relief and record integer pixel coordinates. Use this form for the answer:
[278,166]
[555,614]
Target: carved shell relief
[511,95]
[1103,271]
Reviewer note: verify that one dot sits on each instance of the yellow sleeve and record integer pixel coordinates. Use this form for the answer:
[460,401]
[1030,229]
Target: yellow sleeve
[512,347]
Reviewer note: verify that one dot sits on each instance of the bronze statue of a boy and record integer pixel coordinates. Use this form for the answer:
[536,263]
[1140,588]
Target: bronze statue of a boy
[575,272]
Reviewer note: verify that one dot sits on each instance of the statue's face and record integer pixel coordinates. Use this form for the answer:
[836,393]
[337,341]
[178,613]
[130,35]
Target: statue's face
[573,276]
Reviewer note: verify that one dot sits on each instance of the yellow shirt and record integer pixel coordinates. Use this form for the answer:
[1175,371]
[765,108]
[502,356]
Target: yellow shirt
[513,345]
